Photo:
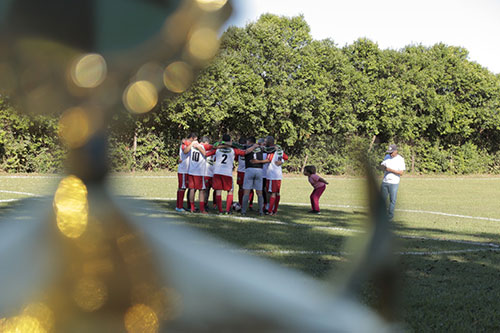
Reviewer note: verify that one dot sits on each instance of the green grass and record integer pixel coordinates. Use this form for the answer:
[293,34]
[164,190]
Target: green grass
[441,291]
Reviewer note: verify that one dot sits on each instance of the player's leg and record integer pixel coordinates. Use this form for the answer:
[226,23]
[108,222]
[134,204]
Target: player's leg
[192,207]
[272,201]
[201,195]
[264,192]
[239,180]
[277,202]
[217,185]
[250,200]
[181,190]
[191,193]
[257,186]
[247,187]
[275,189]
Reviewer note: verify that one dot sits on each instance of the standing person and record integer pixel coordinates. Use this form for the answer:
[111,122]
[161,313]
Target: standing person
[265,196]
[274,174]
[196,176]
[240,176]
[393,167]
[209,171]
[254,160]
[319,185]
[223,171]
[182,169]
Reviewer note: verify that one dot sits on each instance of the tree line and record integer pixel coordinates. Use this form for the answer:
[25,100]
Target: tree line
[320,101]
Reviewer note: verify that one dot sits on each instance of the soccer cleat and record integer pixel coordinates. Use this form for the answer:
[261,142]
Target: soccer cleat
[314,212]
[180,210]
[204,212]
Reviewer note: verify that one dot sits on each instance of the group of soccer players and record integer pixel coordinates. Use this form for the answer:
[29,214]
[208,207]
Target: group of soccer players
[204,166]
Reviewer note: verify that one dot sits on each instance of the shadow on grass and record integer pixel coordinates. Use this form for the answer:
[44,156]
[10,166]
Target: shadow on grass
[442,292]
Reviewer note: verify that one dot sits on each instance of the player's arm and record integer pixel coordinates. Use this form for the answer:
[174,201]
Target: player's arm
[187,149]
[322,180]
[397,172]
[259,161]
[200,148]
[251,148]
[210,152]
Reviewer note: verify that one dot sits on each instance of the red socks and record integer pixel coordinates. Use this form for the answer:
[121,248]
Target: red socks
[180,198]
[229,202]
[218,200]
[272,200]
[276,204]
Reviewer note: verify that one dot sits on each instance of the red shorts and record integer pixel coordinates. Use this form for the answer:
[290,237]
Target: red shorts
[182,179]
[240,177]
[196,182]
[208,182]
[221,182]
[273,186]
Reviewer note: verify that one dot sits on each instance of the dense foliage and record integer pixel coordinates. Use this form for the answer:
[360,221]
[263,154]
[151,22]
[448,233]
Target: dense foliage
[320,101]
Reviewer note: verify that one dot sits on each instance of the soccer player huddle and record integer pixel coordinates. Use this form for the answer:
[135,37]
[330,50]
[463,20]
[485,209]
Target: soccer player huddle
[204,166]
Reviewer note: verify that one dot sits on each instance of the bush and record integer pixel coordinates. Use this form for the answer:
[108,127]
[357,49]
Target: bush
[469,159]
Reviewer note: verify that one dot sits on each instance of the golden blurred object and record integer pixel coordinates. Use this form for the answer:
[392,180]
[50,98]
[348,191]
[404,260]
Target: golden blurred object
[74,127]
[90,294]
[42,313]
[89,71]
[71,207]
[140,97]
[152,72]
[141,318]
[203,44]
[21,324]
[211,5]
[178,76]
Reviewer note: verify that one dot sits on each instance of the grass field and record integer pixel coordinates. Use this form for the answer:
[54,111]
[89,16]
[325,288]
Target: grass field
[448,230]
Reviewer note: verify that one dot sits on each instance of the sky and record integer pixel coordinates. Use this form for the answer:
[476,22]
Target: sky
[472,24]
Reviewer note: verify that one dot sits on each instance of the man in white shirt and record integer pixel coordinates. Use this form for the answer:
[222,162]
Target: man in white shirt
[393,166]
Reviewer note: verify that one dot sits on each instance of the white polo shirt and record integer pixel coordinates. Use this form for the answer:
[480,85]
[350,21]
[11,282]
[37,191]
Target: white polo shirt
[396,163]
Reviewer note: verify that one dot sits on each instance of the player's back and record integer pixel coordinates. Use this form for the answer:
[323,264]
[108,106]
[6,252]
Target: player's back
[224,159]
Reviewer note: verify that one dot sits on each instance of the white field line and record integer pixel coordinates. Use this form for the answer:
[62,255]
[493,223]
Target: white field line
[337,253]
[9,200]
[362,207]
[143,177]
[30,177]
[491,246]
[21,193]
[405,211]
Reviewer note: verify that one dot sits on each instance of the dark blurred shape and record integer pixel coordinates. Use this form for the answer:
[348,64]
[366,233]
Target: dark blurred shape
[69,22]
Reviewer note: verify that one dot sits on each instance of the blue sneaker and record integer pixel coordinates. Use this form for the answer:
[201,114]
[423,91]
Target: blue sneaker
[180,210]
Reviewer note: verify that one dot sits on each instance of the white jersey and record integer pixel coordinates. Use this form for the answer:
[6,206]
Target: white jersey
[197,163]
[396,163]
[265,166]
[184,165]
[274,172]
[241,164]
[224,159]
[209,169]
